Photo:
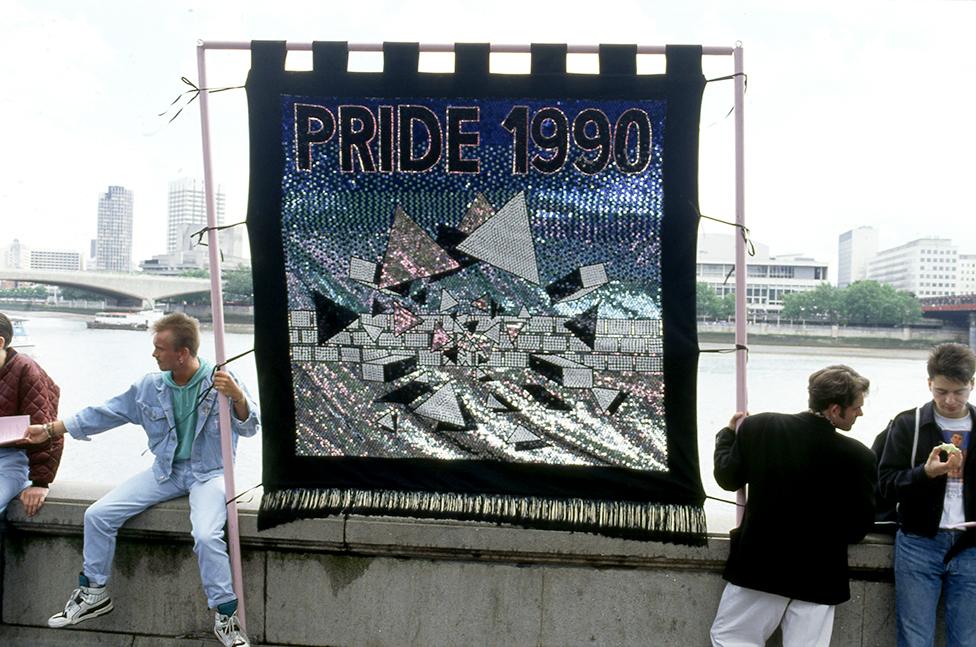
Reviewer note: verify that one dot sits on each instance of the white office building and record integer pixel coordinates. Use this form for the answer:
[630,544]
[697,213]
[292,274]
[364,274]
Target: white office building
[769,278]
[188,213]
[56,259]
[927,267]
[16,256]
[855,249]
[114,240]
[966,274]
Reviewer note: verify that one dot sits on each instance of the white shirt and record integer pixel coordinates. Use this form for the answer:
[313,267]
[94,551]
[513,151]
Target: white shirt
[952,508]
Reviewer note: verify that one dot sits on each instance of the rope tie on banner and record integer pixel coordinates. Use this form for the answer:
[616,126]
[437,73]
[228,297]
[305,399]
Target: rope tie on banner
[202,232]
[247,491]
[195,92]
[198,235]
[715,498]
[746,238]
[734,349]
[204,395]
[743,231]
[728,78]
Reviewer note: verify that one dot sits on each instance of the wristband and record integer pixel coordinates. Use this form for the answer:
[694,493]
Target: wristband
[49,428]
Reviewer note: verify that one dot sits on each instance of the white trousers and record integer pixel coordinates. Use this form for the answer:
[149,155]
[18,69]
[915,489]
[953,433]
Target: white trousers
[747,618]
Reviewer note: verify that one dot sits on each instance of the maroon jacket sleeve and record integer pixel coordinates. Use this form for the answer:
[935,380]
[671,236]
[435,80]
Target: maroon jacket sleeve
[39,395]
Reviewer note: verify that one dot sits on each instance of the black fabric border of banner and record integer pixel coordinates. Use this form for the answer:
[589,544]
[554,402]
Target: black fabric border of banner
[287,476]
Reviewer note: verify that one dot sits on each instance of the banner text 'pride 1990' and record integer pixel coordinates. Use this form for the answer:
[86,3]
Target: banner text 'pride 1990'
[414,139]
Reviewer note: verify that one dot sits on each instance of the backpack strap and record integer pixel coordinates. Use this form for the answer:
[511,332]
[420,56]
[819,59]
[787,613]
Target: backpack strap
[911,461]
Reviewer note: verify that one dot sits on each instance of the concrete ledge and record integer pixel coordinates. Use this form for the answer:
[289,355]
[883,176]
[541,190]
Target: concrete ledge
[398,582]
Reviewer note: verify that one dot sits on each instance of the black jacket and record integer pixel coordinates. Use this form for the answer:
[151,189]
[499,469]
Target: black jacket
[811,493]
[903,478]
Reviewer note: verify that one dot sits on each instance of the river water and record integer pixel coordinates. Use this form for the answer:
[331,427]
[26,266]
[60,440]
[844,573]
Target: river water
[93,365]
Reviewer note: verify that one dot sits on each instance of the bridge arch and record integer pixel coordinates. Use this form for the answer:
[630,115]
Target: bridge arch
[125,288]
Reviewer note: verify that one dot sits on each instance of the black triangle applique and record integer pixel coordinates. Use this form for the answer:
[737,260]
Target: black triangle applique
[403,289]
[449,238]
[496,309]
[451,354]
[584,326]
[380,307]
[617,401]
[547,399]
[471,325]
[420,296]
[330,317]
[565,286]
[406,393]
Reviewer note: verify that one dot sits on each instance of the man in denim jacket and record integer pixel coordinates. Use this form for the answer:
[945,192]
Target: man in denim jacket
[178,410]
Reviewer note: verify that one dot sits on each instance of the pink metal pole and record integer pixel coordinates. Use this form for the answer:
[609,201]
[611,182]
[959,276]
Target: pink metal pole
[449,47]
[217,305]
[741,392]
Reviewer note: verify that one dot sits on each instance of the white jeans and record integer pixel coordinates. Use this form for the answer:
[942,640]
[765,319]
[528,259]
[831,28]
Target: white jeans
[747,618]
[208,513]
[13,475]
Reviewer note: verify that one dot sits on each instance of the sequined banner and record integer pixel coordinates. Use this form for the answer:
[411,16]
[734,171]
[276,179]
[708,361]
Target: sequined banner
[475,293]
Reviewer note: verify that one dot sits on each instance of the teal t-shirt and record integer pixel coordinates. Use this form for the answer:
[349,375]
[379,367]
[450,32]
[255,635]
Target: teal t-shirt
[185,407]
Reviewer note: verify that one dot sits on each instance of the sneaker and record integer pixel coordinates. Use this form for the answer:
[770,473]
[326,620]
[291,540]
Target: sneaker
[86,602]
[228,631]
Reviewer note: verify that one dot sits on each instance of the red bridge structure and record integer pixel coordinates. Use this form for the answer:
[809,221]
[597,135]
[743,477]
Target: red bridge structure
[958,309]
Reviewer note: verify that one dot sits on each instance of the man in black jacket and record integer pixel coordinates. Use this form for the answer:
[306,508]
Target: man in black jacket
[936,494]
[811,493]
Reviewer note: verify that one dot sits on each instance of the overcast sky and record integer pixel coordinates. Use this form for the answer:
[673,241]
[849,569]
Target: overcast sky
[857,113]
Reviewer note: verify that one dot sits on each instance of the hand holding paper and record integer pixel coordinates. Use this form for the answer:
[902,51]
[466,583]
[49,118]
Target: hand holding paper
[12,429]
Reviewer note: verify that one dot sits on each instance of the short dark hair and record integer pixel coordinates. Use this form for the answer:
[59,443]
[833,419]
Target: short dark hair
[837,384]
[954,361]
[6,330]
[185,330]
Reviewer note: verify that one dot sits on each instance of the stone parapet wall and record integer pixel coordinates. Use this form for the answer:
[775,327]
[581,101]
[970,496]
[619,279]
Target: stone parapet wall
[390,582]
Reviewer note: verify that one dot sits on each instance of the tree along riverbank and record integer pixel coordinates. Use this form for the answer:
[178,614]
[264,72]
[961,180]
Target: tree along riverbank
[922,335]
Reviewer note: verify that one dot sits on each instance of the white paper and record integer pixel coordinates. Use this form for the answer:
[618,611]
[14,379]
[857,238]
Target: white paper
[12,428]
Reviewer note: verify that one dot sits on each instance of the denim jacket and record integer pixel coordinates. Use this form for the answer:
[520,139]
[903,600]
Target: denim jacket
[148,403]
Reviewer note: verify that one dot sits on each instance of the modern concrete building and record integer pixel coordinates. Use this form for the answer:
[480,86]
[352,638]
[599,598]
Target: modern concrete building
[855,248]
[926,267]
[15,256]
[114,241]
[54,259]
[177,263]
[770,278]
[188,213]
[966,274]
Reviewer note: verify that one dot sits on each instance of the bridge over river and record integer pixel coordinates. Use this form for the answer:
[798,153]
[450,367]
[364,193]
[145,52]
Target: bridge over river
[958,309]
[132,289]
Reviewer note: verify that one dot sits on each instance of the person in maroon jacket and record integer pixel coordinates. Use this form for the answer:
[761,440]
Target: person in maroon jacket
[25,389]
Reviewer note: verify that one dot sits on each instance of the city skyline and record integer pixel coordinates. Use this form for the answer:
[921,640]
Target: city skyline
[186,222]
[826,109]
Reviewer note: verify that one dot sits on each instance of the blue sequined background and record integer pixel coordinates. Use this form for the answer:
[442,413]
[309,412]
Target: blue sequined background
[576,220]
